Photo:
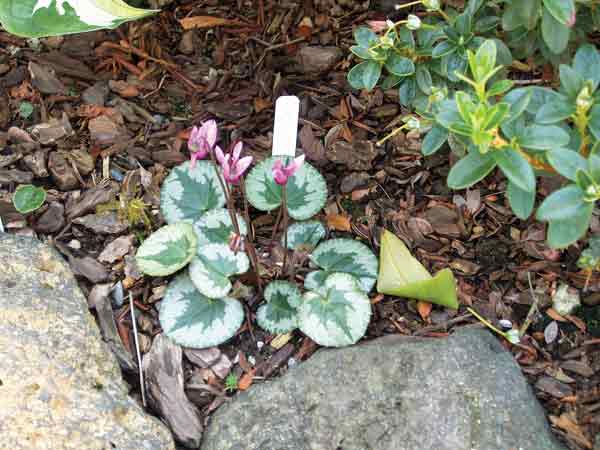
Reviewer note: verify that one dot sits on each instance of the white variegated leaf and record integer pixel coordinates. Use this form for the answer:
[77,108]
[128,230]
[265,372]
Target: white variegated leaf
[338,315]
[215,227]
[280,313]
[304,235]
[315,280]
[193,320]
[306,190]
[211,268]
[348,256]
[39,18]
[167,250]
[188,193]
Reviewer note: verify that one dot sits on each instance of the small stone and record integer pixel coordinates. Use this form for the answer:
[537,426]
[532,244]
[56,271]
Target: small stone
[96,94]
[19,136]
[108,223]
[62,173]
[131,270]
[316,59]
[356,156]
[93,197]
[15,176]
[89,268]
[564,300]
[354,180]
[53,130]
[44,79]
[222,367]
[51,220]
[204,357]
[117,249]
[37,163]
[104,131]
[123,88]
[144,342]
[75,244]
[82,160]
[553,387]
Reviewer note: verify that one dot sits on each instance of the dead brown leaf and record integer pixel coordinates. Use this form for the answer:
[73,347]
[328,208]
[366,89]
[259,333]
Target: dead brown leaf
[338,222]
[424,309]
[246,380]
[189,23]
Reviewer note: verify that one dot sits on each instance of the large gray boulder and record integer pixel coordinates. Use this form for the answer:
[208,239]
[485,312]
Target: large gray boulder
[60,387]
[461,393]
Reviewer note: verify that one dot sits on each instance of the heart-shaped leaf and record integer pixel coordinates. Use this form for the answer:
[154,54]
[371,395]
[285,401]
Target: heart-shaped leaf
[215,227]
[39,18]
[167,250]
[304,236]
[193,320]
[401,274]
[280,313]
[211,268]
[315,279]
[337,314]
[306,190]
[187,193]
[347,256]
[28,198]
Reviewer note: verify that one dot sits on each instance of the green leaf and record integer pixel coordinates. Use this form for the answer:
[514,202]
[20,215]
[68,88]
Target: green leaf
[562,10]
[495,116]
[215,227]
[365,37]
[192,320]
[555,34]
[562,204]
[566,162]
[444,48]
[390,81]
[399,65]
[361,52]
[520,201]
[28,198]
[304,236]
[448,114]
[315,279]
[210,270]
[401,274]
[364,75]
[188,193]
[587,62]
[543,137]
[424,80]
[407,91]
[434,140]
[465,105]
[280,313]
[306,190]
[469,170]
[590,257]
[167,250]
[518,99]
[40,18]
[594,164]
[499,87]
[336,315]
[594,121]
[570,81]
[347,256]
[555,111]
[25,109]
[516,168]
[562,233]
[484,61]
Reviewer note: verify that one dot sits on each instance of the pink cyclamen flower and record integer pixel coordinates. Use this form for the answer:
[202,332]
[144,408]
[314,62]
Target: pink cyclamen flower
[281,173]
[572,19]
[202,141]
[233,166]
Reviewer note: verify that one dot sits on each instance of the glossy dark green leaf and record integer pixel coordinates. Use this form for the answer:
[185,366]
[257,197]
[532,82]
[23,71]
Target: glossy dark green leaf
[561,204]
[365,37]
[516,168]
[442,49]
[555,111]
[594,121]
[453,64]
[371,74]
[434,140]
[544,137]
[424,81]
[587,62]
[390,81]
[555,33]
[570,80]
[566,162]
[562,233]
[520,201]
[408,91]
[469,170]
[518,99]
[562,10]
[399,65]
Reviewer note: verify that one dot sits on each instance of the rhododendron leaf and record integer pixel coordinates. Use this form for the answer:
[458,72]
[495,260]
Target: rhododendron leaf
[193,320]
[306,189]
[336,315]
[215,227]
[211,268]
[280,313]
[187,193]
[167,250]
[347,256]
[403,275]
[304,235]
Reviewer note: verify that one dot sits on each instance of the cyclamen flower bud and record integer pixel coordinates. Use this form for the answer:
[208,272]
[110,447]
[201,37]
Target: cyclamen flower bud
[413,123]
[431,5]
[512,336]
[413,22]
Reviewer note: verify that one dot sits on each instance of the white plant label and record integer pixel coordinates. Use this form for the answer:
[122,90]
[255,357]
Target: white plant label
[285,133]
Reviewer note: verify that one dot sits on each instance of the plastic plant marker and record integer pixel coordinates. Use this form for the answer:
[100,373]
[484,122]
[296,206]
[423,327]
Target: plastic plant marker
[285,133]
[402,275]
[28,198]
[280,314]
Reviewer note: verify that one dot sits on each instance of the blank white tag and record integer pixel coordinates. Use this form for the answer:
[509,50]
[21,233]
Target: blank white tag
[285,133]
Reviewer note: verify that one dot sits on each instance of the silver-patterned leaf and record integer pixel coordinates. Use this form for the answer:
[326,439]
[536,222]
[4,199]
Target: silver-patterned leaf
[314,280]
[188,193]
[280,313]
[167,250]
[304,236]
[193,320]
[348,256]
[215,227]
[306,190]
[338,315]
[211,268]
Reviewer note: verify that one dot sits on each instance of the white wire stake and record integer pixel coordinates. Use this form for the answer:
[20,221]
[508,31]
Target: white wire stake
[137,349]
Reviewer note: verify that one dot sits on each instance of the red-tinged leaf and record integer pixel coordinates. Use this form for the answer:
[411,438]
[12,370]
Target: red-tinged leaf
[338,222]
[424,309]
[246,380]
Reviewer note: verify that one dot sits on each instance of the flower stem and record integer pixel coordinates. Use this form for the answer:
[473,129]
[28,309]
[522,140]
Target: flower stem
[285,226]
[227,193]
[486,323]
[246,211]
[390,135]
[408,5]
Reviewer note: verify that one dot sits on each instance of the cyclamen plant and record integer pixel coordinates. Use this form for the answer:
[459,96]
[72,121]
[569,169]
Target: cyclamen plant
[204,245]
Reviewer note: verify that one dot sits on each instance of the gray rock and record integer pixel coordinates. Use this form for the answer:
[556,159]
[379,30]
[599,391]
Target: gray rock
[60,386]
[315,59]
[96,94]
[354,181]
[461,393]
[107,223]
[356,156]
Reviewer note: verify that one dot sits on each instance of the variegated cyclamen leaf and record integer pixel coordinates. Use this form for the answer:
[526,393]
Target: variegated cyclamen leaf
[211,268]
[167,250]
[304,236]
[40,18]
[314,280]
[348,256]
[215,227]
[187,193]
[306,190]
[196,321]
[338,315]
[280,313]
